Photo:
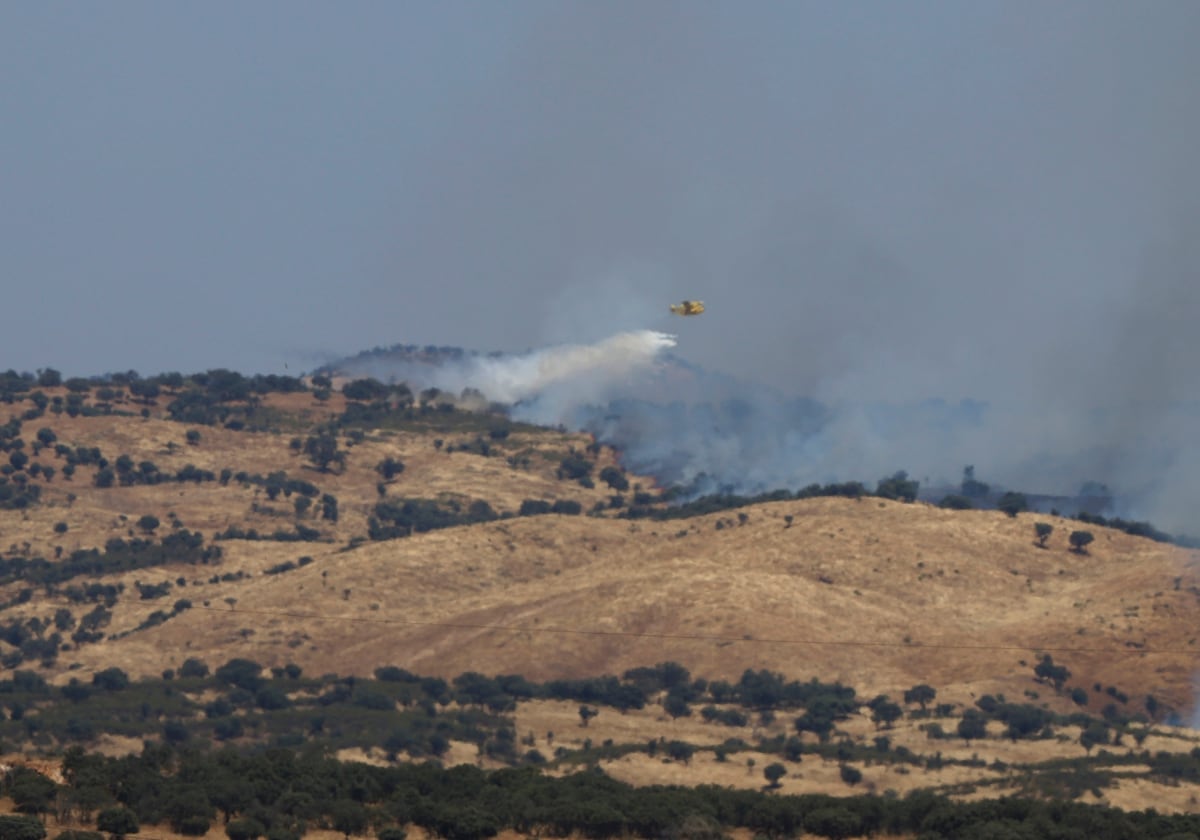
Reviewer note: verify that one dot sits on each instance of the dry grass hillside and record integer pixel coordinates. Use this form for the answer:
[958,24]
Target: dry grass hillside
[879,595]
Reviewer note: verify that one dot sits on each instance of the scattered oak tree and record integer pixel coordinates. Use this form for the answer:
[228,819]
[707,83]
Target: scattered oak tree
[1080,541]
[1012,503]
[118,822]
[322,449]
[921,694]
[773,773]
[1043,530]
[1047,671]
[586,713]
[972,726]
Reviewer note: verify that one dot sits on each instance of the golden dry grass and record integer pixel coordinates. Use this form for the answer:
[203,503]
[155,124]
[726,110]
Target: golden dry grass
[877,594]
[96,514]
[878,597]
[557,724]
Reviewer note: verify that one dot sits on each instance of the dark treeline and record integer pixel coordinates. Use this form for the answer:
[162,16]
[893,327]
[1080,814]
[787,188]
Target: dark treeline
[255,753]
[427,354]
[1139,529]
[397,710]
[119,555]
[282,794]
[38,639]
[394,518]
[407,713]
[717,502]
[401,517]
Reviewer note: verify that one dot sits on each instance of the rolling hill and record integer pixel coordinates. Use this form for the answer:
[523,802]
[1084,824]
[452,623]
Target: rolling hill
[478,574]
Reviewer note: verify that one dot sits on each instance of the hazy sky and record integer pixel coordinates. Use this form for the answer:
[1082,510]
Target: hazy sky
[989,199]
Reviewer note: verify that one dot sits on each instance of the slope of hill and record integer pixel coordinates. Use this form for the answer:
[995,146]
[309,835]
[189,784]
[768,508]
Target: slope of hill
[875,594]
[879,595]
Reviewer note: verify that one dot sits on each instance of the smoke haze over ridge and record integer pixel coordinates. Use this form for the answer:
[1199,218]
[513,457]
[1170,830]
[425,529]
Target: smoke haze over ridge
[712,433]
[882,205]
[587,369]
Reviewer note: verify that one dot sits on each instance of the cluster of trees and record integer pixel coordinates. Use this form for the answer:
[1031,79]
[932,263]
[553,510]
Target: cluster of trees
[220,383]
[536,507]
[127,474]
[1047,671]
[476,446]
[35,639]
[389,468]
[1137,529]
[275,484]
[219,397]
[216,397]
[288,566]
[821,705]
[123,471]
[407,713]
[378,415]
[669,682]
[247,692]
[371,403]
[118,555]
[716,502]
[372,390]
[72,404]
[575,466]
[427,354]
[615,478]
[392,518]
[13,384]
[281,794]
[17,491]
[1026,721]
[18,495]
[1079,540]
[397,711]
[323,451]
[973,493]
[899,487]
[299,532]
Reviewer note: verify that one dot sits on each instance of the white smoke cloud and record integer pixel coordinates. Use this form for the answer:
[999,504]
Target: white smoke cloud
[574,371]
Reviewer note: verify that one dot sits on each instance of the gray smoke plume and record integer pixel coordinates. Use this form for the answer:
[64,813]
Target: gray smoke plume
[933,235]
[708,432]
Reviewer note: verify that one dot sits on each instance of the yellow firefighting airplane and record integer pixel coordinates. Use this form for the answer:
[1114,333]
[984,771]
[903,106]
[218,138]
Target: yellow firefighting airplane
[688,307]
